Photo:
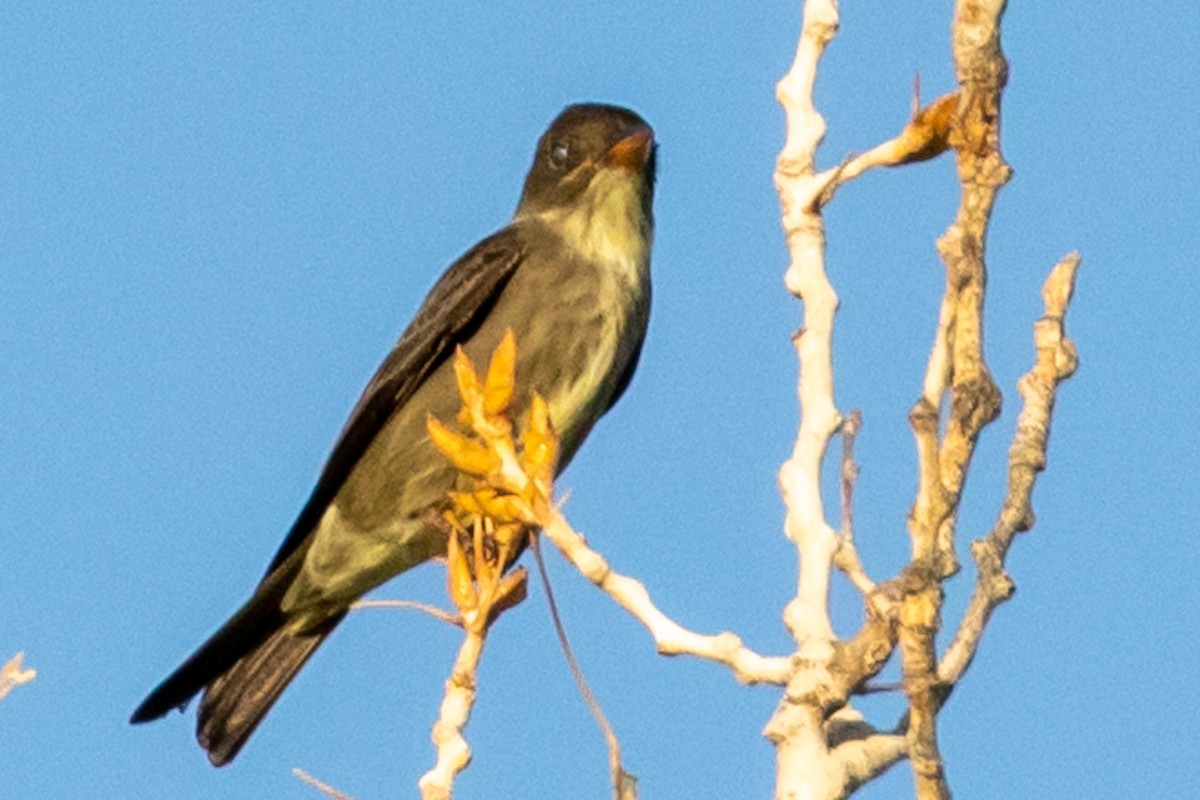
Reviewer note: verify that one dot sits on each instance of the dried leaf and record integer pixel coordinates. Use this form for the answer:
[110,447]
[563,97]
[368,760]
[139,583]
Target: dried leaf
[465,454]
[14,673]
[473,502]
[465,374]
[501,379]
[508,534]
[510,592]
[539,445]
[507,508]
[928,133]
[460,583]
[469,389]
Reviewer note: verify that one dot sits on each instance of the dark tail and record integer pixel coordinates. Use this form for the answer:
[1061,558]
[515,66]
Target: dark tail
[237,701]
[242,668]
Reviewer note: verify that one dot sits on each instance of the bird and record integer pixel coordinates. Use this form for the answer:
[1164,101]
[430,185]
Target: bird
[569,275]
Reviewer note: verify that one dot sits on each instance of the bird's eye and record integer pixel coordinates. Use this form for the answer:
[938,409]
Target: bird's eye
[559,152]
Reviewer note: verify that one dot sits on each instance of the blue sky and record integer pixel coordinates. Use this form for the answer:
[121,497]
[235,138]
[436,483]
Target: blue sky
[214,221]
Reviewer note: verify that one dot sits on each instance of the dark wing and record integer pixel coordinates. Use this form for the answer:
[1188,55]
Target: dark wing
[254,651]
[453,310]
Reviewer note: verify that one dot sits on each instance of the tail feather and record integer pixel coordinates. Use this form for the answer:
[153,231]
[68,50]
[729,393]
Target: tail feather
[236,702]
[242,668]
[242,634]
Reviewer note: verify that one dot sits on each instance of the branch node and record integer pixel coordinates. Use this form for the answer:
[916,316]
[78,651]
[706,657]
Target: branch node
[977,402]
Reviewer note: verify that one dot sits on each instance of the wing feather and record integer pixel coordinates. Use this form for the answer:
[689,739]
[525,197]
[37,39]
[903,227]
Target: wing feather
[453,310]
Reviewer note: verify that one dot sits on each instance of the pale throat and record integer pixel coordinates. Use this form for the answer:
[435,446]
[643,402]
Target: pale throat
[608,226]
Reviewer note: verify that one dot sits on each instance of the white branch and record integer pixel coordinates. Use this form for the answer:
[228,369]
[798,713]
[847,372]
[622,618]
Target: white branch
[804,766]
[453,752]
[669,637]
[800,190]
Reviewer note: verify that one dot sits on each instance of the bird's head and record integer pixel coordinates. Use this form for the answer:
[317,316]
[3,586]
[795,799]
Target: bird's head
[587,147]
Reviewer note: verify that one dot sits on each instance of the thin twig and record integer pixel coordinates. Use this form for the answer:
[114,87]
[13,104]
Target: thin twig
[846,557]
[624,783]
[320,785]
[411,605]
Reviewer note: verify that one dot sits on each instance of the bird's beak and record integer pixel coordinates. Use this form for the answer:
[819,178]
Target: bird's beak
[633,151]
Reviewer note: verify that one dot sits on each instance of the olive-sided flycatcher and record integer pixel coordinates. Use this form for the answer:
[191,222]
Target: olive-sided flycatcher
[570,275]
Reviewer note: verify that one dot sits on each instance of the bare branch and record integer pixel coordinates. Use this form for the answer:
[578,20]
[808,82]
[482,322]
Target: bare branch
[453,752]
[320,785]
[957,359]
[800,191]
[669,637]
[863,752]
[1056,361]
[803,765]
